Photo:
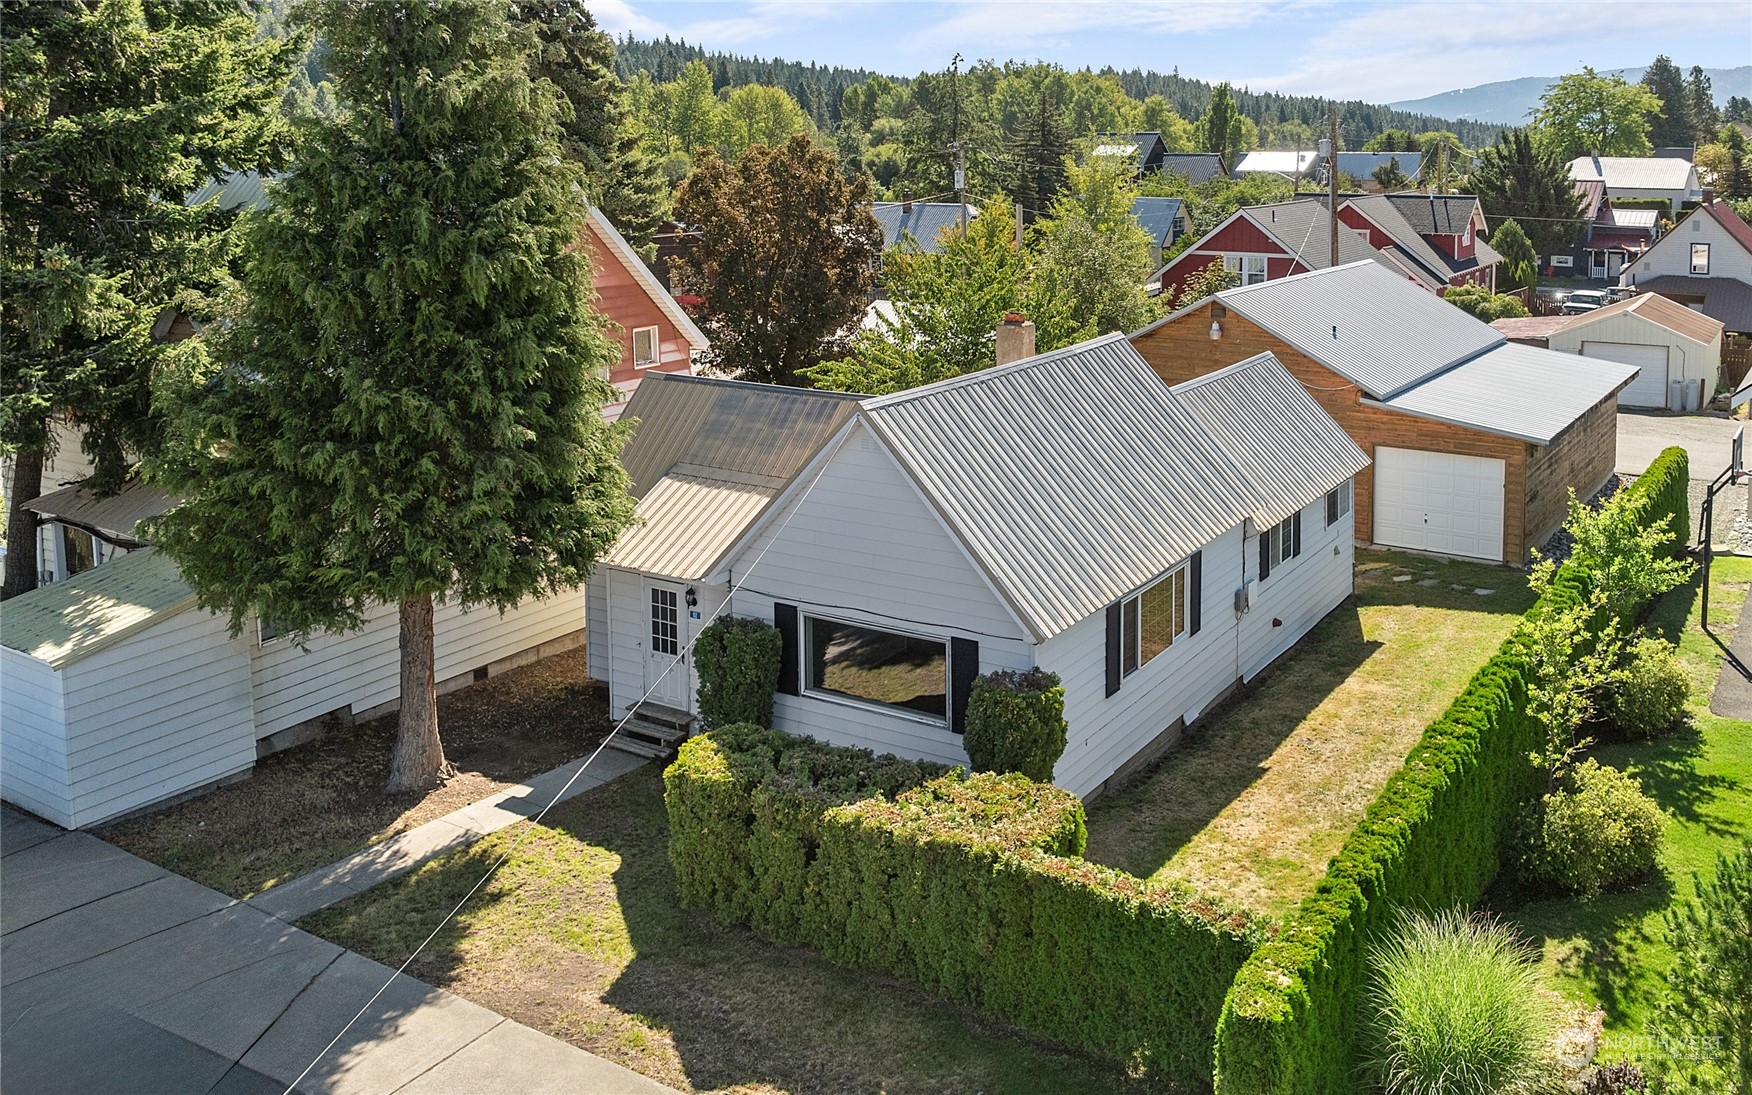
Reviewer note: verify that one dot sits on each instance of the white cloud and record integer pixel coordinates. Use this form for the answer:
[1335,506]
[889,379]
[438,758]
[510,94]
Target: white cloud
[618,17]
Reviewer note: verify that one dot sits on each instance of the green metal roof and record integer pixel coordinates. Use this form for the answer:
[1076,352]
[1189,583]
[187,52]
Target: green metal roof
[62,622]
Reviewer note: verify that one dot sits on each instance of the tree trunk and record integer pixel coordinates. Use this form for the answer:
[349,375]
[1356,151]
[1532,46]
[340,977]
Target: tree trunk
[417,764]
[21,524]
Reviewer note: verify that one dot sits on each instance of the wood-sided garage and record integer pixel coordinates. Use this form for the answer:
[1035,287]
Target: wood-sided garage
[1476,441]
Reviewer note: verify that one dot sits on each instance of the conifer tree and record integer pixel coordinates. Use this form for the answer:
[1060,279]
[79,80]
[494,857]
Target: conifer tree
[1671,124]
[411,406]
[110,113]
[1700,107]
[1529,181]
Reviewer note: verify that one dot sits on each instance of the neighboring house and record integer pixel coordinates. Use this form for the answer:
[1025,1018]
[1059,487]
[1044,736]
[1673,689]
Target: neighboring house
[1448,258]
[1677,352]
[655,333]
[1152,546]
[1362,166]
[1144,150]
[1195,167]
[1674,180]
[1475,441]
[1260,243]
[1612,236]
[1288,164]
[1165,221]
[80,530]
[923,221]
[1704,263]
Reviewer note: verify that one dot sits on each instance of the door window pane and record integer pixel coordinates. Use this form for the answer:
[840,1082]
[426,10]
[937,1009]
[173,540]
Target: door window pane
[665,621]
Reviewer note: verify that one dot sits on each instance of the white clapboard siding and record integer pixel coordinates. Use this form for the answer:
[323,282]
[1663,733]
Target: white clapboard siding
[1299,592]
[1107,731]
[296,682]
[596,653]
[628,608]
[162,712]
[33,770]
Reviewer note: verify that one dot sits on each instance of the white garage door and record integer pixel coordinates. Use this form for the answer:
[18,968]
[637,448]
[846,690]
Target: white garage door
[1437,501]
[1649,389]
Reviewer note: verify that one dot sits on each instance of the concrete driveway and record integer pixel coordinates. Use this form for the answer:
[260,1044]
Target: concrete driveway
[118,976]
[1641,437]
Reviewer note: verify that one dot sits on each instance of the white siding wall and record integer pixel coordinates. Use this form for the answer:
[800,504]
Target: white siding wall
[360,670]
[596,652]
[33,770]
[1672,254]
[626,620]
[1299,592]
[865,547]
[162,712]
[1687,358]
[1106,731]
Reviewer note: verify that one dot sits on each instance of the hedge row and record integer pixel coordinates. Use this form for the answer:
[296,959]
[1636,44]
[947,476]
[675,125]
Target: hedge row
[970,886]
[1433,837]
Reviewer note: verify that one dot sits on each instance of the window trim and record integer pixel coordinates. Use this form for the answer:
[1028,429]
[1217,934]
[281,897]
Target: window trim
[805,658]
[1131,611]
[1695,268]
[656,347]
[1239,269]
[1338,503]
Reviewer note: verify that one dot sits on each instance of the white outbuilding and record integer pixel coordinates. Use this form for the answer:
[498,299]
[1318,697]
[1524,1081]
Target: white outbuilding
[1677,351]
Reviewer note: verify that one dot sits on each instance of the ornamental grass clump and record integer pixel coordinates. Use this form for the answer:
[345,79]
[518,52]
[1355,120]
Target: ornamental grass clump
[1456,1008]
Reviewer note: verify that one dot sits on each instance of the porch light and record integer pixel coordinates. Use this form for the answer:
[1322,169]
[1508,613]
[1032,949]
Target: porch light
[1216,330]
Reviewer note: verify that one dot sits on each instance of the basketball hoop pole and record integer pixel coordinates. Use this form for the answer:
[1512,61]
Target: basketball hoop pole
[1731,477]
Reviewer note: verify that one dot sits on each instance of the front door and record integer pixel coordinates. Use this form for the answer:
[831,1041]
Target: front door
[667,678]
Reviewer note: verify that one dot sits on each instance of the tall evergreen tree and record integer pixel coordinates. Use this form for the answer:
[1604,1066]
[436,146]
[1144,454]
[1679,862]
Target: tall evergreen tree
[1700,107]
[1220,129]
[579,59]
[112,112]
[413,412]
[1671,124]
[1528,181]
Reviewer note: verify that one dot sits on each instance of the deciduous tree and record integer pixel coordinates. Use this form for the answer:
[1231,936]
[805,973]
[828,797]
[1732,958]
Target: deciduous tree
[1529,181]
[785,252]
[758,115]
[1221,129]
[1480,303]
[413,409]
[1093,257]
[1585,112]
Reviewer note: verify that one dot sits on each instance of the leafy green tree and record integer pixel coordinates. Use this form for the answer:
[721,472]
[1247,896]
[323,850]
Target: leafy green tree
[758,115]
[1221,130]
[1391,140]
[1092,254]
[1529,181]
[414,411]
[1700,107]
[1480,303]
[1032,115]
[1520,263]
[623,181]
[1585,112]
[1159,116]
[1443,157]
[1670,122]
[785,254]
[1710,982]
[113,112]
[1390,176]
[1719,167]
[1208,282]
[945,111]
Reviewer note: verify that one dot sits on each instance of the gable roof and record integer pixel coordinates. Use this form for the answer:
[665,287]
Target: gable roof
[1514,390]
[1282,163]
[924,221]
[1362,165]
[708,457]
[1436,214]
[1198,167]
[62,622]
[1730,221]
[1145,148]
[1656,309]
[1387,217]
[1726,299]
[1633,172]
[622,252]
[1303,228]
[1156,216]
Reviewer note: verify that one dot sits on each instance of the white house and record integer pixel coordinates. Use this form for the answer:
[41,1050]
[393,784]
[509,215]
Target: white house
[1640,177]
[1704,263]
[1152,546]
[1677,351]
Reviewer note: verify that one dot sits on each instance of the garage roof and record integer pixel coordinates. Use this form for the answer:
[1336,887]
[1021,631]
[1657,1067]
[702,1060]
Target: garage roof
[1516,391]
[1659,310]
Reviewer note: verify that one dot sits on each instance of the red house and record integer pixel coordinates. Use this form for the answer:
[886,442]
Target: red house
[655,333]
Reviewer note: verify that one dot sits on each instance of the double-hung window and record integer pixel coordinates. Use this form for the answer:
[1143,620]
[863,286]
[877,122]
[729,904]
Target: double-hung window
[1250,269]
[1279,544]
[1700,258]
[1152,620]
[1338,502]
[644,347]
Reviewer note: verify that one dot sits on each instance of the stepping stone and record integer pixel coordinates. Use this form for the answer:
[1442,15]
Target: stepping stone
[1484,592]
[1402,577]
[1456,586]
[1430,582]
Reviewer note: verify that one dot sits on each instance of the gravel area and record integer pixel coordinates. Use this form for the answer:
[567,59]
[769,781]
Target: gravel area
[1558,548]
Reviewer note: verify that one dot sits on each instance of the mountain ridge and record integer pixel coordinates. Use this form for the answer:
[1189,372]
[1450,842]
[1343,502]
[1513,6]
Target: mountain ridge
[1508,102]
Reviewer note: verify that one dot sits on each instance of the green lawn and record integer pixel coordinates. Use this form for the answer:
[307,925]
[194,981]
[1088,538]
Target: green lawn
[1612,951]
[1253,805]
[580,935]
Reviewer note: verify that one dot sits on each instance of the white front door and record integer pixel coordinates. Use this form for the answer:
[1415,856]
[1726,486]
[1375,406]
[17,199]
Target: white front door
[667,676]
[1649,388]
[1439,501]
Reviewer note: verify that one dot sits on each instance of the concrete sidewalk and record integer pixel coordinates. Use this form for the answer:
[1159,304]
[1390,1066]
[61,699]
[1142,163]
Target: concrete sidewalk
[119,976]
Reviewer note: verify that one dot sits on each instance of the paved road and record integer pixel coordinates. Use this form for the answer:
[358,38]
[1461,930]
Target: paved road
[1641,437]
[118,976]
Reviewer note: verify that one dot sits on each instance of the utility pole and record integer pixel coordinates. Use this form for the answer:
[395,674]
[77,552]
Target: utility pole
[1018,228]
[1332,179]
[961,183]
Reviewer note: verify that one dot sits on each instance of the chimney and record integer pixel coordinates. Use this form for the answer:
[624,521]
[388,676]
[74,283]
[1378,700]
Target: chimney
[906,201]
[1015,338]
[1707,196]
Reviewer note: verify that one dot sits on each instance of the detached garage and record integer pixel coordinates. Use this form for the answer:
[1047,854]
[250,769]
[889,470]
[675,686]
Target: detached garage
[1676,351]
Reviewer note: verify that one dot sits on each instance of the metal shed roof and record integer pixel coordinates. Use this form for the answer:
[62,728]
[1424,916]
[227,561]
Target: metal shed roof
[62,622]
[114,517]
[1198,167]
[1251,409]
[1073,477]
[1515,390]
[1633,172]
[1362,165]
[924,221]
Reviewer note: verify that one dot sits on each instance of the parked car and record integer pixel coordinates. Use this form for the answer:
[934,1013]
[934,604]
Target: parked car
[1584,300]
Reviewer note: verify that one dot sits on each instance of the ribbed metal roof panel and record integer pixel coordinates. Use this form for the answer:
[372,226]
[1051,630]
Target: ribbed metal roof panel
[117,514]
[1290,450]
[65,621]
[687,522]
[1379,331]
[1073,477]
[1517,391]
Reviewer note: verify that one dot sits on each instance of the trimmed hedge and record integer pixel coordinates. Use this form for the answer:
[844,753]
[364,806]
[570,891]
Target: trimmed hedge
[738,663]
[967,885]
[1434,837]
[1016,723]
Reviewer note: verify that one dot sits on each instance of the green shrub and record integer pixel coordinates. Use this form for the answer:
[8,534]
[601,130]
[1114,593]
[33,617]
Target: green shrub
[738,664]
[1597,832]
[1649,695]
[1016,723]
[1709,985]
[966,885]
[1457,1008]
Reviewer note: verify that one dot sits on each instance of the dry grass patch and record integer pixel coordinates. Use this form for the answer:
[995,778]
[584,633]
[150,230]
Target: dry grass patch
[1252,806]
[314,804]
[581,936]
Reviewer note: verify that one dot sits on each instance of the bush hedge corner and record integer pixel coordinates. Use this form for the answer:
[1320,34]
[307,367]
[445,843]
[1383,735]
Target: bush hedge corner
[1016,723]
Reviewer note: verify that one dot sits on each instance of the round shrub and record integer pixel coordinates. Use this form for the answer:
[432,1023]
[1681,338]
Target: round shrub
[1597,832]
[738,663]
[1016,723]
[1650,695]
[1456,1008]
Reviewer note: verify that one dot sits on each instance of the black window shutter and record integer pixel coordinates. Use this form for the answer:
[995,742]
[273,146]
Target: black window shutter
[1195,609]
[1265,553]
[1297,529]
[963,668]
[1112,648]
[785,619]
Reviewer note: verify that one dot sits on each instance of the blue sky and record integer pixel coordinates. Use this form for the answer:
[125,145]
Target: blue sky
[1376,51]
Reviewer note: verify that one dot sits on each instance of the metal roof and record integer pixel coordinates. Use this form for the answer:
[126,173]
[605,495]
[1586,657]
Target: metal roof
[1252,409]
[924,221]
[1073,478]
[1727,300]
[688,521]
[1282,163]
[1156,216]
[239,190]
[1198,167]
[1658,310]
[62,622]
[1514,390]
[1633,172]
[1362,165]
[113,517]
[1378,331]
[1436,214]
